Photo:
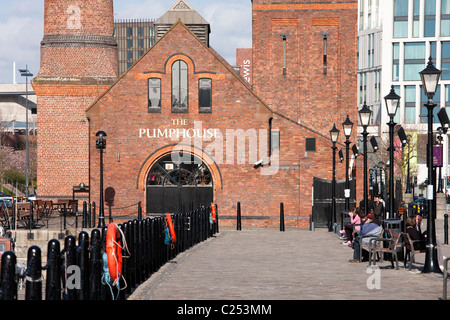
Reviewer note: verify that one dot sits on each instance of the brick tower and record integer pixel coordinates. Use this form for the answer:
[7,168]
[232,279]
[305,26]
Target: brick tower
[78,62]
[304,59]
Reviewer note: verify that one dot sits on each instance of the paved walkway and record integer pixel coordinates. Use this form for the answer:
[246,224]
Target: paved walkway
[291,265]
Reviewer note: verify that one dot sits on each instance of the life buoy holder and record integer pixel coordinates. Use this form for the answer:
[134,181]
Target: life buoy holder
[169,222]
[213,212]
[114,251]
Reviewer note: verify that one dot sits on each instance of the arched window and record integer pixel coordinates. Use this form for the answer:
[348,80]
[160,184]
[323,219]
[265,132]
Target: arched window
[179,86]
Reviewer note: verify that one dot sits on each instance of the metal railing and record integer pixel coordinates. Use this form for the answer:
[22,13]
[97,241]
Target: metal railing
[76,272]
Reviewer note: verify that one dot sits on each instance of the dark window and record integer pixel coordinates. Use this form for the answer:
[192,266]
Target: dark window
[275,140]
[154,95]
[205,95]
[310,144]
[179,87]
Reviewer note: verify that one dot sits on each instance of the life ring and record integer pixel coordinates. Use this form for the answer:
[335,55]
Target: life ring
[114,251]
[213,212]
[171,229]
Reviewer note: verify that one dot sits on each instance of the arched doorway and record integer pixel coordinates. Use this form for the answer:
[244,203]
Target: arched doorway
[176,182]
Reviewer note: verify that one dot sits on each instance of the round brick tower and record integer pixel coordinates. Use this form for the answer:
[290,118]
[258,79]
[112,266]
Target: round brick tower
[78,62]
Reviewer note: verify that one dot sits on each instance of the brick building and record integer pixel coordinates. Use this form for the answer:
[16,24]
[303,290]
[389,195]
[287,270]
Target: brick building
[183,127]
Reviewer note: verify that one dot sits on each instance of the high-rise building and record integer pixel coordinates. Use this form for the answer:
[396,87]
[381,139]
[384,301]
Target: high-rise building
[133,37]
[395,40]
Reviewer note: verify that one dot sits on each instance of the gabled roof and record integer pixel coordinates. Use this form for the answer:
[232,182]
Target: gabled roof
[212,52]
[184,11]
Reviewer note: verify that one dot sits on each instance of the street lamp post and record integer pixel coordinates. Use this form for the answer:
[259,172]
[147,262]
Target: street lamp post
[26,73]
[101,145]
[430,78]
[364,116]
[392,102]
[404,140]
[334,134]
[347,126]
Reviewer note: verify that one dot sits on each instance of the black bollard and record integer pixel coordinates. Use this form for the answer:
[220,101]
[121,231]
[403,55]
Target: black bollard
[281,216]
[93,214]
[84,222]
[139,210]
[70,262]
[33,283]
[83,263]
[217,219]
[445,228]
[239,226]
[53,267]
[8,286]
[95,265]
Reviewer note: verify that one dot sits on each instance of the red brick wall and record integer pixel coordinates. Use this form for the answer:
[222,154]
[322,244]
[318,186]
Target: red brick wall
[305,94]
[77,64]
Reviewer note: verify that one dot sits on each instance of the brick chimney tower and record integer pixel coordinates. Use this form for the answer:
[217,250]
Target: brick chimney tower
[78,62]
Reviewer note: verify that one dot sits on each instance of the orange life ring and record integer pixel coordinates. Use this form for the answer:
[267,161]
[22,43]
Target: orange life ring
[114,251]
[213,212]
[171,229]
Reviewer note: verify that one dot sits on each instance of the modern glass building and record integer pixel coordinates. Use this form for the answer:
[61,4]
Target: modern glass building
[395,40]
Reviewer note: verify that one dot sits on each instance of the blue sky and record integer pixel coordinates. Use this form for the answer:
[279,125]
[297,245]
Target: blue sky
[22,26]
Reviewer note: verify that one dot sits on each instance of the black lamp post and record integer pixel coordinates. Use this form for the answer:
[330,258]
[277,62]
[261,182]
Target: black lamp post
[430,78]
[443,118]
[392,102]
[404,139]
[347,125]
[26,73]
[364,116]
[334,134]
[101,145]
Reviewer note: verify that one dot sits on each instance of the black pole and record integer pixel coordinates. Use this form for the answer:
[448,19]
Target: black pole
[33,283]
[239,226]
[366,202]
[333,190]
[70,253]
[53,267]
[95,265]
[83,263]
[101,214]
[8,285]
[347,180]
[281,216]
[445,228]
[431,260]
[408,178]
[391,167]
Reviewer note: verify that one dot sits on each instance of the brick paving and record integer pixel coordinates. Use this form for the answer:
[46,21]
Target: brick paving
[291,265]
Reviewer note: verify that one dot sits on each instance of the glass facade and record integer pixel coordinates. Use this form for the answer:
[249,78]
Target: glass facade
[445,18]
[400,18]
[414,60]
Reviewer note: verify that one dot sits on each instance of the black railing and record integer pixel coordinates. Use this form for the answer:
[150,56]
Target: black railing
[77,271]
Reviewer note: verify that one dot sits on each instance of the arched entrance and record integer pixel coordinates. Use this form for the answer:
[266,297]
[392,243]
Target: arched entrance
[178,181]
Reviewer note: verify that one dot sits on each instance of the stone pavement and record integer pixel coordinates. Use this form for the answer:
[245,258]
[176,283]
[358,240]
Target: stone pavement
[290,265]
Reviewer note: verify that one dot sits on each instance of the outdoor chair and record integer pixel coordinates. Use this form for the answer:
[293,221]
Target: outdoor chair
[393,244]
[24,214]
[5,216]
[43,209]
[386,233]
[412,247]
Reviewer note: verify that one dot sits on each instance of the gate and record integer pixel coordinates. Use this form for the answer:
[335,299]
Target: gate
[177,183]
[322,201]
